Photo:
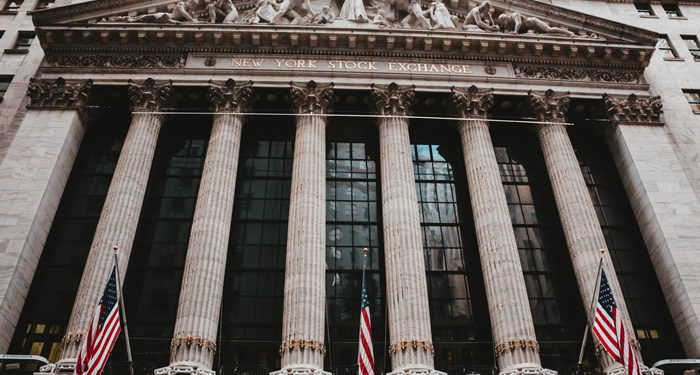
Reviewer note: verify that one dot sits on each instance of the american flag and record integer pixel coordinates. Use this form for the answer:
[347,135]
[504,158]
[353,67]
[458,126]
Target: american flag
[103,332]
[610,330]
[365,357]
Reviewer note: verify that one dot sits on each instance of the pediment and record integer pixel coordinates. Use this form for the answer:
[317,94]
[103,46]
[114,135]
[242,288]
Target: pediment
[509,18]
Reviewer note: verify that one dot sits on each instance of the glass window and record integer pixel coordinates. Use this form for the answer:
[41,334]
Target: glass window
[153,279]
[24,40]
[4,85]
[693,97]
[254,282]
[672,10]
[352,224]
[13,5]
[552,291]
[666,48]
[643,9]
[691,41]
[458,316]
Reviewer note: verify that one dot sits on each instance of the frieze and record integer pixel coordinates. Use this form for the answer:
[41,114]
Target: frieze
[576,74]
[117,60]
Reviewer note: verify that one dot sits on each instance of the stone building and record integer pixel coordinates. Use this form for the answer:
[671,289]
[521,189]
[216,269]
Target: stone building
[241,155]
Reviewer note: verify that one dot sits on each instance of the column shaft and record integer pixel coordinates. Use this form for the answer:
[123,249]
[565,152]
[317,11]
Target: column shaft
[407,294]
[511,320]
[304,283]
[203,279]
[117,225]
[582,231]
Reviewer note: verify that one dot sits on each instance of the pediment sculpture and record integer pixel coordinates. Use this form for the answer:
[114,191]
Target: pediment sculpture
[408,14]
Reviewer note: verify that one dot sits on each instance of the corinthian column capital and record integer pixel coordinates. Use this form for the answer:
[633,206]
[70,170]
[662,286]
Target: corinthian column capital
[149,96]
[393,100]
[549,106]
[632,110]
[471,102]
[229,96]
[58,94]
[311,97]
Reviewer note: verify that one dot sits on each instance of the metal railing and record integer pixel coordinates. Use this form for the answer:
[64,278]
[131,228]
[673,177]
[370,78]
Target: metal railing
[471,370]
[232,369]
[579,370]
[122,368]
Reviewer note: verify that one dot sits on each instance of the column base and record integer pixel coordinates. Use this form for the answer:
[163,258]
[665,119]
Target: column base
[620,370]
[183,369]
[417,371]
[300,371]
[529,371]
[58,367]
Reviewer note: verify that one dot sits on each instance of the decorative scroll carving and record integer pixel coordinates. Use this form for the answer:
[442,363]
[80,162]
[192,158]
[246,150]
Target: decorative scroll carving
[633,110]
[149,96]
[471,102]
[393,100]
[58,94]
[549,107]
[576,74]
[118,61]
[311,97]
[229,96]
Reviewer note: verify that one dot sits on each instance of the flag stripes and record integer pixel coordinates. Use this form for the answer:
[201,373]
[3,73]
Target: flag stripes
[365,356]
[609,328]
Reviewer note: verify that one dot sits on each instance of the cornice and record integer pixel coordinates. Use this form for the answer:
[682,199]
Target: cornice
[158,39]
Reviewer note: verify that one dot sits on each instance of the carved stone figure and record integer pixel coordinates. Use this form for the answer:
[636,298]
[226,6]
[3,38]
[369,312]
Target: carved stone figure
[416,16]
[326,16]
[295,10]
[515,23]
[380,20]
[181,12]
[441,17]
[222,9]
[480,18]
[353,10]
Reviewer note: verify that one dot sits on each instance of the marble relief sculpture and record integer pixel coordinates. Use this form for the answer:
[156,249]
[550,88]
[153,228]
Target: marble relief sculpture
[408,14]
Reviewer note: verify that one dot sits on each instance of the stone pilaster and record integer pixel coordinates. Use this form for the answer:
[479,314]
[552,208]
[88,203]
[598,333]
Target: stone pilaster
[303,318]
[194,340]
[651,172]
[33,174]
[120,214]
[582,231]
[513,330]
[411,347]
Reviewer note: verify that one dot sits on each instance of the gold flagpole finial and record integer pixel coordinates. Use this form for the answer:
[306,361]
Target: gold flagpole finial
[365,250]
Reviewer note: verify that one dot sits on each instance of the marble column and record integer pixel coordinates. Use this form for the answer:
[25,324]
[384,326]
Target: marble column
[120,213]
[582,231]
[303,317]
[411,346]
[513,330]
[33,175]
[194,340]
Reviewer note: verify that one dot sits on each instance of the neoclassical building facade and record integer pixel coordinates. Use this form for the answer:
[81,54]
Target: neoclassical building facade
[241,156]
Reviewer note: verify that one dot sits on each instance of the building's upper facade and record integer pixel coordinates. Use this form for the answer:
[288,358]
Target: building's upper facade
[483,152]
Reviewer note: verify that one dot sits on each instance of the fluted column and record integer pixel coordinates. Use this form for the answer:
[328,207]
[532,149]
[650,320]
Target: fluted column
[194,339]
[582,231]
[120,213]
[407,295]
[513,330]
[303,318]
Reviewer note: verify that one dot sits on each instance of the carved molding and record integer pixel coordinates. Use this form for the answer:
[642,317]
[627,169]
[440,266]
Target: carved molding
[311,97]
[117,60]
[393,100]
[632,110]
[471,102]
[549,106]
[149,96]
[229,96]
[576,74]
[58,94]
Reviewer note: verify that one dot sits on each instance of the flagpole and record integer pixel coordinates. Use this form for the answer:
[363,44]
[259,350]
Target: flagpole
[592,308]
[123,310]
